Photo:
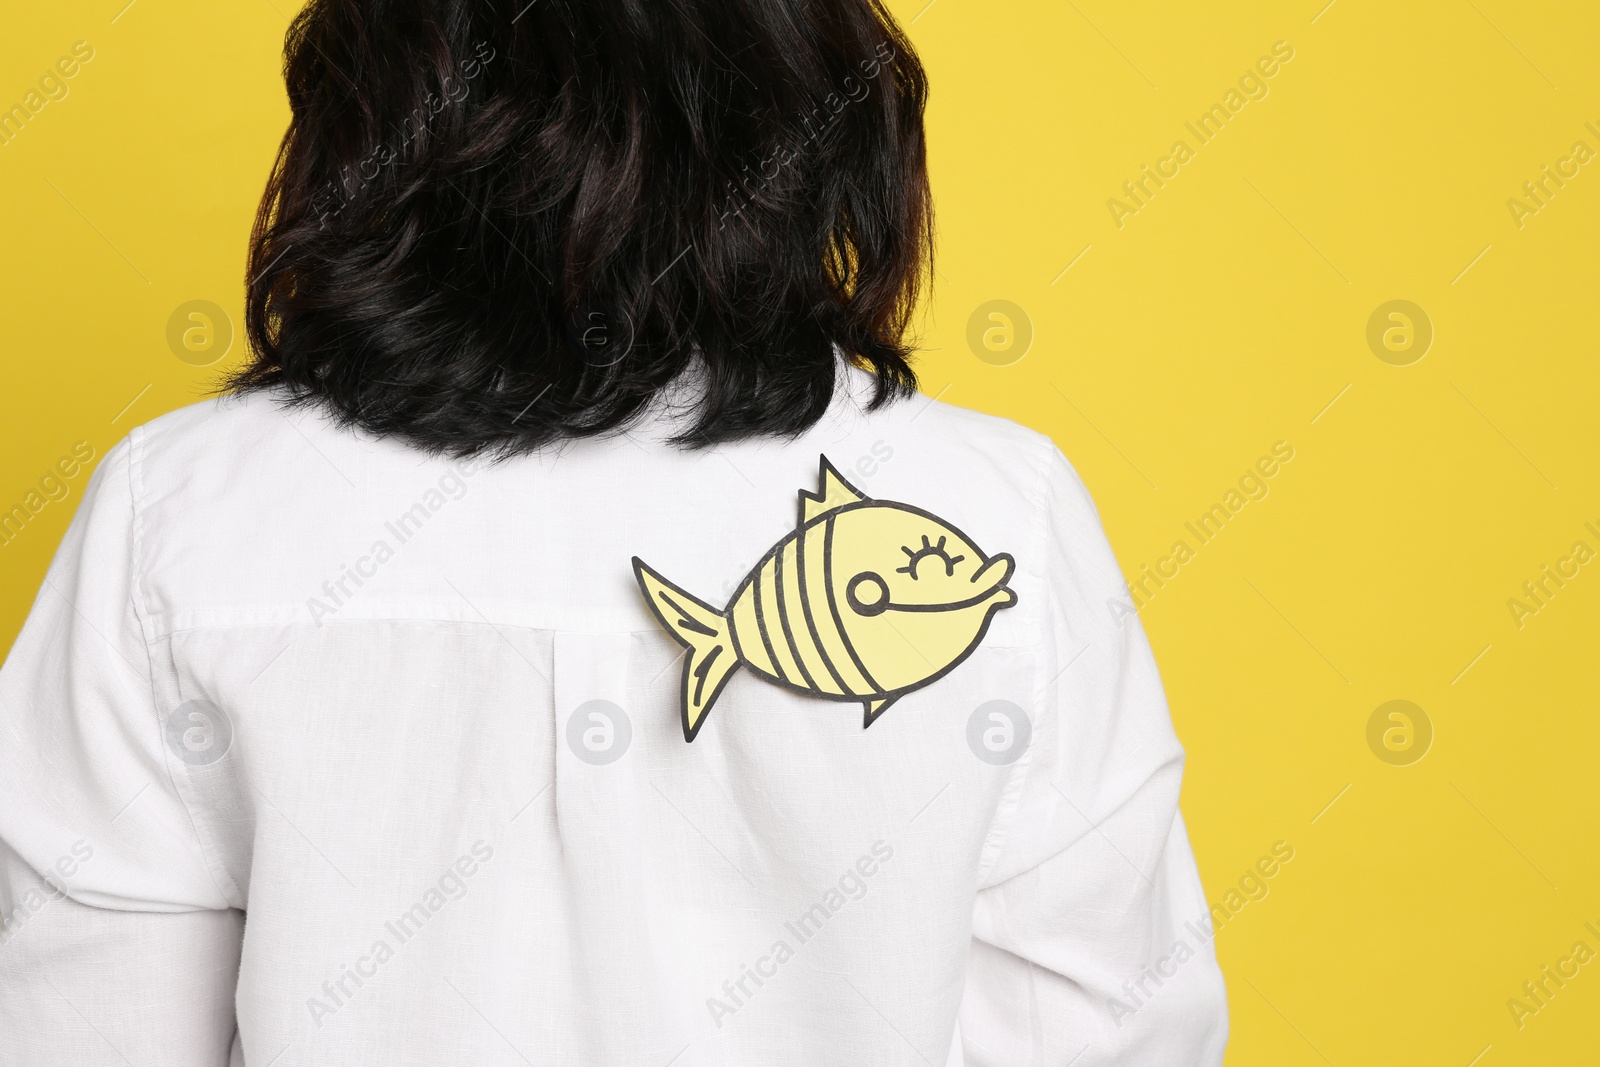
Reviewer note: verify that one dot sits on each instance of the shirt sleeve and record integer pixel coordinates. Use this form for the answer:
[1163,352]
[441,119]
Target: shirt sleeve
[1092,941]
[116,945]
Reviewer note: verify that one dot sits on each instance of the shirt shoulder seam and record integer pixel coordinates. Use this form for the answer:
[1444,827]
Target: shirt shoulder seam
[230,891]
[1011,795]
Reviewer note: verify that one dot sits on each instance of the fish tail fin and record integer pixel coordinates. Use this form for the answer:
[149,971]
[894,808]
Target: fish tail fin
[701,629]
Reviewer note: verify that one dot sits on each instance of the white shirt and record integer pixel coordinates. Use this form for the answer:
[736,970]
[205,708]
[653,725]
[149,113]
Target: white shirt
[319,750]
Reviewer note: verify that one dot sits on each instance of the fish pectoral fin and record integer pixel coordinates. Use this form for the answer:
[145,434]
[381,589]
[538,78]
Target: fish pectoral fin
[876,708]
[703,631]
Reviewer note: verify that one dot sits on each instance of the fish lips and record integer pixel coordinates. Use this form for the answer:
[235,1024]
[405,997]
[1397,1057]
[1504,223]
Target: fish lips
[992,578]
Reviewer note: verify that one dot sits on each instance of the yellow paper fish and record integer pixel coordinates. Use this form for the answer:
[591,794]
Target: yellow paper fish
[866,601]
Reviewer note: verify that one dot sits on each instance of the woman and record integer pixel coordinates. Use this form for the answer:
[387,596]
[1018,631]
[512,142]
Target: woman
[467,687]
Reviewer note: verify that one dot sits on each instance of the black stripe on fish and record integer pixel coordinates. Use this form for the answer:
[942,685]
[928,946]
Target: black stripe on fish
[761,624]
[783,620]
[805,606]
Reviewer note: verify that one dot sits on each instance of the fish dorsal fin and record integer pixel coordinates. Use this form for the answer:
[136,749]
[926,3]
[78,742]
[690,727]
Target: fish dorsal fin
[832,492]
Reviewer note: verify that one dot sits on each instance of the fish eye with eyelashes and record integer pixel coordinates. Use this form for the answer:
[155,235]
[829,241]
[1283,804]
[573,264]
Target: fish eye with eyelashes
[928,549]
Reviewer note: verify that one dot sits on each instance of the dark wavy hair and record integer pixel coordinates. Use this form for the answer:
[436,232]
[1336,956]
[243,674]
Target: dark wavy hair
[495,225]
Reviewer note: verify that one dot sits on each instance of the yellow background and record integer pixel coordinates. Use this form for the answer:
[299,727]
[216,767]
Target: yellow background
[1225,316]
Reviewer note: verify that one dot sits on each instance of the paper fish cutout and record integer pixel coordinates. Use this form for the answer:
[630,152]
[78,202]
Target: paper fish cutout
[866,601]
